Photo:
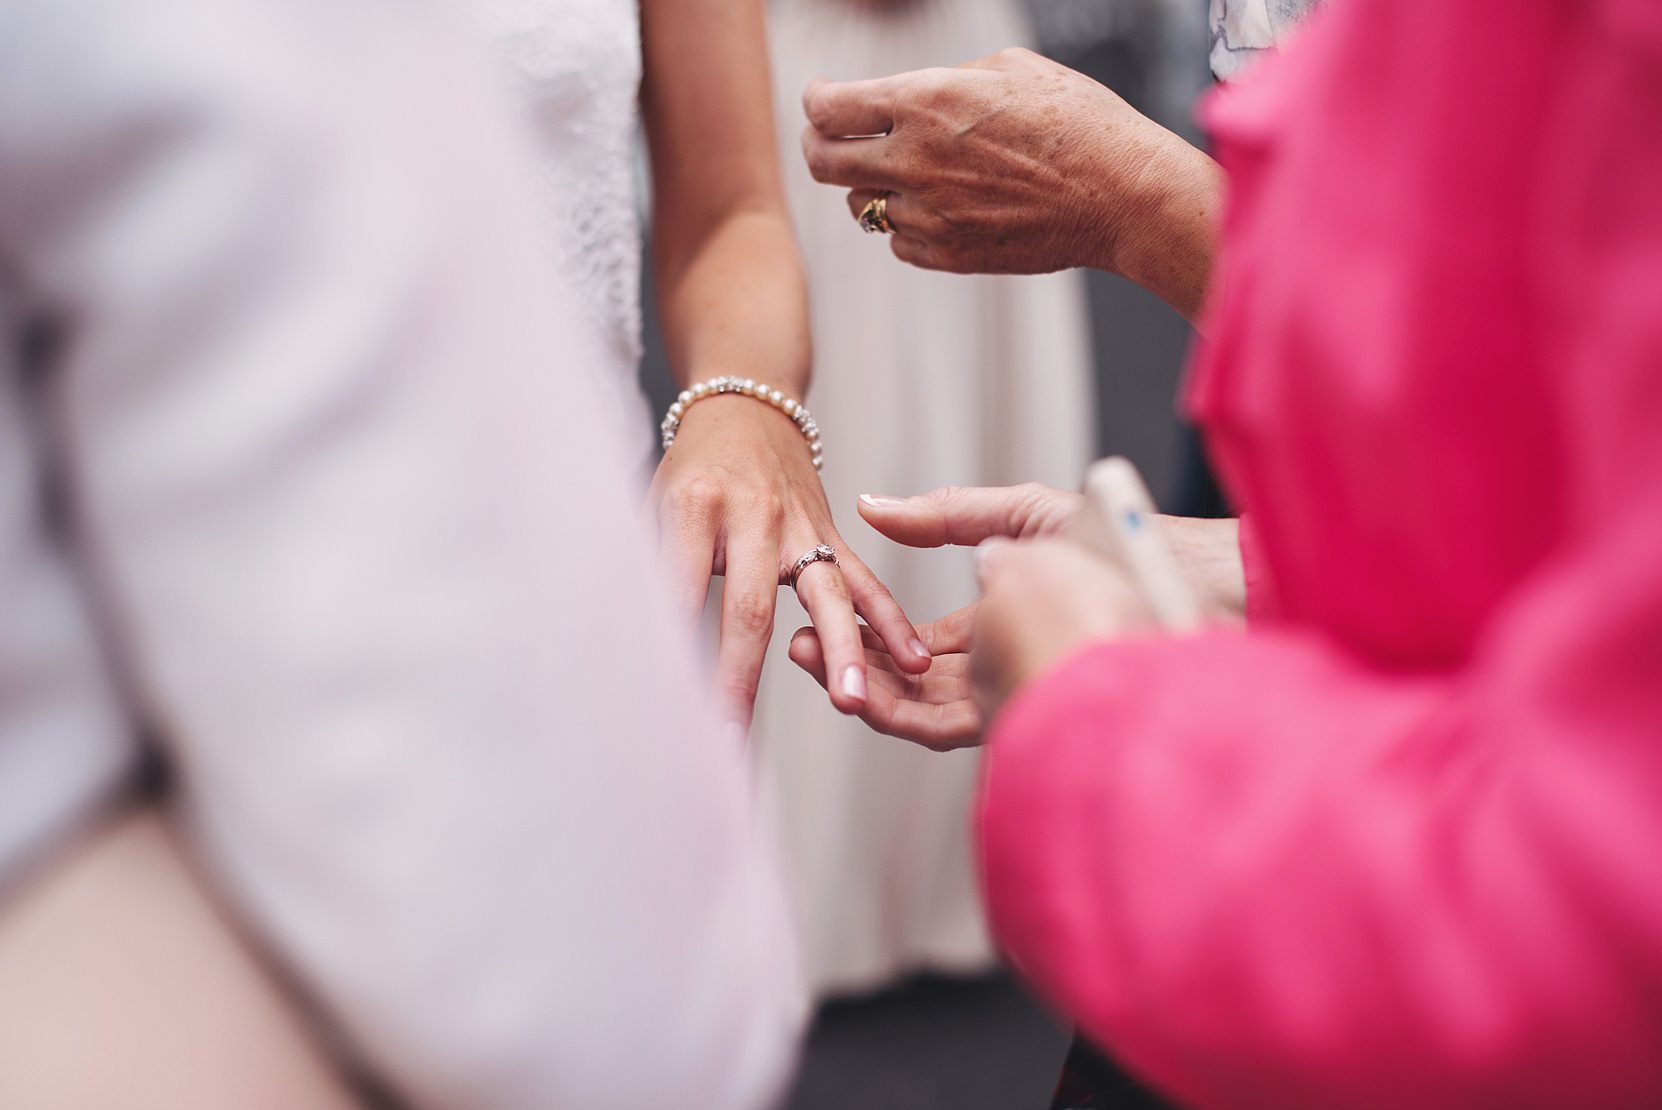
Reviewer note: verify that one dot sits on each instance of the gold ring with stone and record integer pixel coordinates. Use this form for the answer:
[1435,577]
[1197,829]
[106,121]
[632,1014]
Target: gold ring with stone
[874,217]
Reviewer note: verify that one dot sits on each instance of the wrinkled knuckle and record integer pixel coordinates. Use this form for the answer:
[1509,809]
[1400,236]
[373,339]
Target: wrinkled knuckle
[832,587]
[740,690]
[1032,494]
[947,496]
[934,225]
[750,615]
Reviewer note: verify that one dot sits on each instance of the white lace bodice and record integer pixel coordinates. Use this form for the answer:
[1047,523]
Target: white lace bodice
[577,64]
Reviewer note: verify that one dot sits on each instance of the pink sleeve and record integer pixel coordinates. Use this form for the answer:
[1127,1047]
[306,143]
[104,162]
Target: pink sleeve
[1264,871]
[1265,875]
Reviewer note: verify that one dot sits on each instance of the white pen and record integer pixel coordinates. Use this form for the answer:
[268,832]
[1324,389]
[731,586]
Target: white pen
[1118,522]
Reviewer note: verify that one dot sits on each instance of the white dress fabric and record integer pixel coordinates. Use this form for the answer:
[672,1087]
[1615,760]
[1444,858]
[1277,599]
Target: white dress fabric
[920,380]
[344,534]
[1242,30]
[574,67]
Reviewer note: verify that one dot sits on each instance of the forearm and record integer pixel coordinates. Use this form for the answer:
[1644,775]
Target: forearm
[730,287]
[1205,850]
[1209,551]
[735,302]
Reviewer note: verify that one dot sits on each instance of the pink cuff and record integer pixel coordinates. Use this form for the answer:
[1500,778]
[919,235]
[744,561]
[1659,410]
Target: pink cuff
[1262,601]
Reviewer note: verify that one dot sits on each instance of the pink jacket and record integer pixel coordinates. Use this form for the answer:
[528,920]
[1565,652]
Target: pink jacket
[1400,846]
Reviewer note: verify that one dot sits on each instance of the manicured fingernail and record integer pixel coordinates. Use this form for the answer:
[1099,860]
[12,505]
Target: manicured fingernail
[854,683]
[918,649]
[882,501]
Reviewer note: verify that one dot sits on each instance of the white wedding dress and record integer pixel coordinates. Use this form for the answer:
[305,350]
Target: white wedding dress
[920,380]
[575,67]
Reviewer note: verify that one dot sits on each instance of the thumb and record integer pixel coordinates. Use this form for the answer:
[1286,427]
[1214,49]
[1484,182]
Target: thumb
[990,556]
[967,515]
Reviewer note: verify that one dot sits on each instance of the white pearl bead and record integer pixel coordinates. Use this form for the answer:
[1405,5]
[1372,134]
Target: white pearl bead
[750,387]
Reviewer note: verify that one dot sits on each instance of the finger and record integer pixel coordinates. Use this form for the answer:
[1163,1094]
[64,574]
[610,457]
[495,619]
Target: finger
[935,710]
[877,656]
[899,206]
[967,515]
[952,634]
[853,163]
[992,556]
[686,549]
[841,109]
[941,683]
[748,598]
[824,595]
[873,601]
[914,251]
[859,198]
[905,216]
[949,635]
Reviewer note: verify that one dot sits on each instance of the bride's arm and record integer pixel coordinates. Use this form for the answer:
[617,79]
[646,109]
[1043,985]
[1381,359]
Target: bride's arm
[737,493]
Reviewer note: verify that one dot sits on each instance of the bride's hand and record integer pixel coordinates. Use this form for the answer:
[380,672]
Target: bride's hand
[737,495]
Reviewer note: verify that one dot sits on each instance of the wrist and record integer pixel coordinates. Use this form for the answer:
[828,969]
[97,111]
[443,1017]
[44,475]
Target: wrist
[730,398]
[1167,242]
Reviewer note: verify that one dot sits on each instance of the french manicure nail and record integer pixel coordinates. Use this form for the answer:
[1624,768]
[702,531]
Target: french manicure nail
[881,500]
[854,683]
[919,650]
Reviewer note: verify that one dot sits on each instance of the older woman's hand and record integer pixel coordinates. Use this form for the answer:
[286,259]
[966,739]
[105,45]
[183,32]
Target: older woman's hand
[939,708]
[1042,599]
[1015,164]
[1040,602]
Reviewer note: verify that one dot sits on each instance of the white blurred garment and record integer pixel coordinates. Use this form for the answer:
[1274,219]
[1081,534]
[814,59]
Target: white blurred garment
[1243,30]
[920,380]
[349,531]
[574,68]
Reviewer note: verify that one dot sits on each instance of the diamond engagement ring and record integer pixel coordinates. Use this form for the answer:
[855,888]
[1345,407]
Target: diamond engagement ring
[824,553]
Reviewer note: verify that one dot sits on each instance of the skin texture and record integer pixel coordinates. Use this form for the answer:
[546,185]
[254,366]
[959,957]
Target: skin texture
[737,495]
[121,984]
[1043,598]
[1014,164]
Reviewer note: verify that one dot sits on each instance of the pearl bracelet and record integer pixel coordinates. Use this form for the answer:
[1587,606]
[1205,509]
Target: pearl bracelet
[728,383]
